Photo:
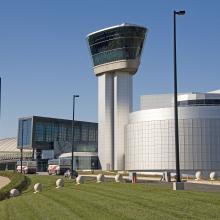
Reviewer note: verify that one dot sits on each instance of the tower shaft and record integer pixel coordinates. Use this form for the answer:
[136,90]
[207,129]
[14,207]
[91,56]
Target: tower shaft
[105,120]
[122,108]
[115,104]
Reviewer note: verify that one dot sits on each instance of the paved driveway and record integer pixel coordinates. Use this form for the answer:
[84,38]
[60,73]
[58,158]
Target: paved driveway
[4,181]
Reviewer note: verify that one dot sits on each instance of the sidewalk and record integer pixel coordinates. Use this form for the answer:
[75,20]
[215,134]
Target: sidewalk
[4,181]
[208,182]
[125,177]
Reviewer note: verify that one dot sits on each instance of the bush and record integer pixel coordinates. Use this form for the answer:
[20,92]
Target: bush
[18,181]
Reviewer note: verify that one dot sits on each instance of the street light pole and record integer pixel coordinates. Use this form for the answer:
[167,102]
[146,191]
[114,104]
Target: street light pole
[74,98]
[0,95]
[178,179]
[22,127]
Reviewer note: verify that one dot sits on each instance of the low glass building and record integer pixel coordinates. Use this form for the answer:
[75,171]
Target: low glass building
[83,160]
[50,137]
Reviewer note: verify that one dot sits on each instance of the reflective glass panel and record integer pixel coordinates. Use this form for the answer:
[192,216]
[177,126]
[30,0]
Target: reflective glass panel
[119,43]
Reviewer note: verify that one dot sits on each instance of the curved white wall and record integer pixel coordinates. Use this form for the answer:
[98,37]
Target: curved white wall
[150,143]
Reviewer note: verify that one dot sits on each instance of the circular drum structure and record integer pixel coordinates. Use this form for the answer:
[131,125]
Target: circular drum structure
[151,142]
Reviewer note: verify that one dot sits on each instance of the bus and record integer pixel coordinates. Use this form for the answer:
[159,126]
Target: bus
[27,166]
[59,166]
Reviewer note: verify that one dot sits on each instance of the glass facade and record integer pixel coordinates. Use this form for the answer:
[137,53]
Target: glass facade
[199,102]
[85,134]
[79,162]
[55,136]
[118,43]
[24,133]
[83,163]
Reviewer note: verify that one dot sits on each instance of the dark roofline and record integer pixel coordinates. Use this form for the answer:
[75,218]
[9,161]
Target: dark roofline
[114,27]
[54,119]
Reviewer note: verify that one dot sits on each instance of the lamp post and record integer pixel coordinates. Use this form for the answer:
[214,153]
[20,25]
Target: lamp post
[175,97]
[22,134]
[0,95]
[23,121]
[74,98]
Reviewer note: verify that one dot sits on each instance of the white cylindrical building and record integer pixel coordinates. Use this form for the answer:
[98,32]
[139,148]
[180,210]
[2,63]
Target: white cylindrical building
[150,140]
[116,53]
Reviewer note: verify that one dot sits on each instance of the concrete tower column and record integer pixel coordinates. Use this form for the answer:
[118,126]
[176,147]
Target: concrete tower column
[105,120]
[122,108]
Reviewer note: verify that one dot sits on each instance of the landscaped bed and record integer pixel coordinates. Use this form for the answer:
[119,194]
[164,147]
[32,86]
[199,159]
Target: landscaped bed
[17,181]
[108,200]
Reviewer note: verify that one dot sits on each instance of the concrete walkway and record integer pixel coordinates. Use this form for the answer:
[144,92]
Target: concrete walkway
[4,181]
[207,182]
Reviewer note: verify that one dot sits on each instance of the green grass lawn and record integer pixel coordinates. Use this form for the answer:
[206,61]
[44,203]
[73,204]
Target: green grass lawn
[108,201]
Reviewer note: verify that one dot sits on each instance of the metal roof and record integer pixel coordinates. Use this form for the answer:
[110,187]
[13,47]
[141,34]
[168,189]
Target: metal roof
[9,145]
[112,27]
[9,151]
[79,154]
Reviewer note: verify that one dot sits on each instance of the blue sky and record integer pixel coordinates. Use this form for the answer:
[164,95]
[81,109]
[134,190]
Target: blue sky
[44,56]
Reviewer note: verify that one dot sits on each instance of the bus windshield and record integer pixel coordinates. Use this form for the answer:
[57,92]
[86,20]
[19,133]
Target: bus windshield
[27,163]
[53,162]
[61,162]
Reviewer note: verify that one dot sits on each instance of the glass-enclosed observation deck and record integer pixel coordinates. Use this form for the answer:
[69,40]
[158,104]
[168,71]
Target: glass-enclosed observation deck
[118,43]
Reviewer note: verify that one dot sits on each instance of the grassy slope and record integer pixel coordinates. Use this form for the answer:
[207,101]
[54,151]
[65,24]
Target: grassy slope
[109,201]
[17,181]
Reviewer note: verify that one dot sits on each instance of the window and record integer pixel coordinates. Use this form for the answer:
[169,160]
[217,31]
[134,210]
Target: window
[117,54]
[84,134]
[24,132]
[50,131]
[92,134]
[77,134]
[199,102]
[116,44]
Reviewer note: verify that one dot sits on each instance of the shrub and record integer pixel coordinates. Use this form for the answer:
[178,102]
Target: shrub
[18,181]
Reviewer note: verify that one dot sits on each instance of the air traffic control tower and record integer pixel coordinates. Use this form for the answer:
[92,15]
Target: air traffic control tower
[116,53]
